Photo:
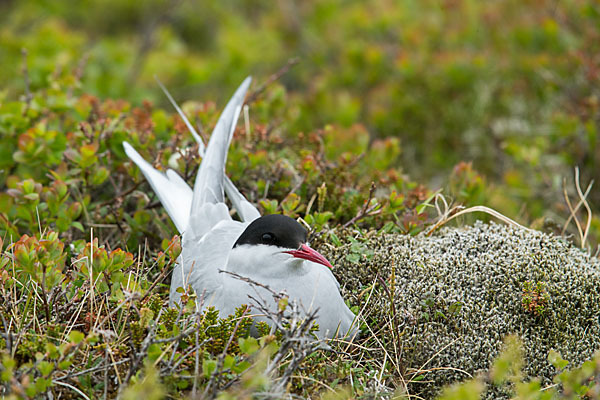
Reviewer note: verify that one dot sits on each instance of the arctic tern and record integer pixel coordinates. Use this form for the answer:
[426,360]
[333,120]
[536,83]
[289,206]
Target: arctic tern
[271,250]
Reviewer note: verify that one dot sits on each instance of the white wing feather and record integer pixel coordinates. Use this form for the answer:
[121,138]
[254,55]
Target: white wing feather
[244,208]
[172,191]
[208,187]
[211,233]
[190,127]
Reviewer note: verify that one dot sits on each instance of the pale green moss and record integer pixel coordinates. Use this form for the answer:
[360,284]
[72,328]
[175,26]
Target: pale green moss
[484,268]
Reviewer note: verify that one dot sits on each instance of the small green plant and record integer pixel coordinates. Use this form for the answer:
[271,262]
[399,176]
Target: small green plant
[535,298]
[436,309]
[359,252]
[505,374]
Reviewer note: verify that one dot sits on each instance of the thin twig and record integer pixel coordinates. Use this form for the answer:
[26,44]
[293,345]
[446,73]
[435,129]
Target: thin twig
[73,388]
[282,71]
[158,280]
[25,71]
[91,370]
[122,194]
[366,210]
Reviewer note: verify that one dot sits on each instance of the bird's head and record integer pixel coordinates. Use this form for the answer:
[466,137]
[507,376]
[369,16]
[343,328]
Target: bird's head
[283,233]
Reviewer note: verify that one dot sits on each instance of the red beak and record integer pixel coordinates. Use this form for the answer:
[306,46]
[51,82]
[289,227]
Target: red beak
[309,254]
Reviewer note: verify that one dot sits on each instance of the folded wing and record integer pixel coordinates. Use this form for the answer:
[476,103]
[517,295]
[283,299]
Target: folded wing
[201,259]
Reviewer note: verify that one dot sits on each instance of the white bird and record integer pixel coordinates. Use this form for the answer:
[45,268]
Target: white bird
[271,250]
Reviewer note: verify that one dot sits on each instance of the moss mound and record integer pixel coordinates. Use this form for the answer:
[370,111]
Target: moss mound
[457,294]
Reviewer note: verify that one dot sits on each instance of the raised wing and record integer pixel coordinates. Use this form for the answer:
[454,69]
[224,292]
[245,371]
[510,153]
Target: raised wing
[244,208]
[172,191]
[208,188]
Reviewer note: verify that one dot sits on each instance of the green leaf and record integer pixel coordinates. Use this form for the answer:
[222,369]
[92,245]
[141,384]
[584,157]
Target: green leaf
[52,350]
[248,346]
[228,362]
[470,390]
[354,258]
[427,203]
[282,304]
[45,368]
[100,175]
[208,367]
[32,196]
[76,337]
[241,367]
[8,362]
[61,188]
[556,359]
[154,352]
[335,240]
[507,367]
[28,186]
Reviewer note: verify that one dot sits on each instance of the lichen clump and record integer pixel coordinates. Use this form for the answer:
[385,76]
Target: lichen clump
[458,293]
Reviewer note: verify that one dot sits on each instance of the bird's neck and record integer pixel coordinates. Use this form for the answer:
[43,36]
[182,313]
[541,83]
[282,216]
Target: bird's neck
[264,262]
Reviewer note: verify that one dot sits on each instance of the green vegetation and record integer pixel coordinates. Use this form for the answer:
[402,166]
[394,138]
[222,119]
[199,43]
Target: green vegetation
[509,86]
[360,113]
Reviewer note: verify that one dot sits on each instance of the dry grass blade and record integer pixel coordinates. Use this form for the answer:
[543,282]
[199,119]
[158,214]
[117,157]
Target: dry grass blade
[73,388]
[583,232]
[421,368]
[448,214]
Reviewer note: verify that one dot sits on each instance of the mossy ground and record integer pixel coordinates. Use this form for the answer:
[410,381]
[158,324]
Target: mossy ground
[444,303]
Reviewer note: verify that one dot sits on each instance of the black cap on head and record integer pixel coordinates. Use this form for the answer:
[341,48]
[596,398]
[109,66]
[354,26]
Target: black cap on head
[276,230]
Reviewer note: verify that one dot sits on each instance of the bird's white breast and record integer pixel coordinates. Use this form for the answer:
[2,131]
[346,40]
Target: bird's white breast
[312,285]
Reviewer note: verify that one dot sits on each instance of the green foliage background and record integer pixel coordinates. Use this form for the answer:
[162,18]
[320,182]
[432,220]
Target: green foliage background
[493,101]
[511,86]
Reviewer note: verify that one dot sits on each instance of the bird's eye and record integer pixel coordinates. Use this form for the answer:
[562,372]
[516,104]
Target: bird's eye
[267,237]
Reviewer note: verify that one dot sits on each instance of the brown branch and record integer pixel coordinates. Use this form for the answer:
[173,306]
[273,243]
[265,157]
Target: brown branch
[122,195]
[25,71]
[158,280]
[148,36]
[365,210]
[282,71]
